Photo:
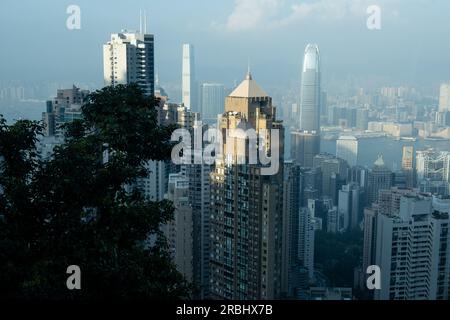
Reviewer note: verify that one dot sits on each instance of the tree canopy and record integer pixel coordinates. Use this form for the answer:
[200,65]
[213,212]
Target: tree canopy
[79,207]
[337,255]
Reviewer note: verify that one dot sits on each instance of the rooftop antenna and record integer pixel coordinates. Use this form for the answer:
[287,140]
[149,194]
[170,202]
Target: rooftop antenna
[145,21]
[249,75]
[140,21]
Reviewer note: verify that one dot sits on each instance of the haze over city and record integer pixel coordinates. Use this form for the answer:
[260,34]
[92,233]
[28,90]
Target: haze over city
[246,150]
[409,49]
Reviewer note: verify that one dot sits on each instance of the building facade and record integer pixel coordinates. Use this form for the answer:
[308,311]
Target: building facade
[189,86]
[433,171]
[412,250]
[347,149]
[380,178]
[408,166]
[310,90]
[444,98]
[64,108]
[246,206]
[129,57]
[179,231]
[213,98]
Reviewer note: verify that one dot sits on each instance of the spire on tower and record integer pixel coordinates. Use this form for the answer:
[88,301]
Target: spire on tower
[145,21]
[249,74]
[140,21]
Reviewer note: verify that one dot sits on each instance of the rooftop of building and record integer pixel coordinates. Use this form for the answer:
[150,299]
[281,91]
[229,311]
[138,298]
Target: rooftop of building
[249,89]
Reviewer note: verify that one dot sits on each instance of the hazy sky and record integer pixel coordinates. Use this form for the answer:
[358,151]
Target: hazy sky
[413,45]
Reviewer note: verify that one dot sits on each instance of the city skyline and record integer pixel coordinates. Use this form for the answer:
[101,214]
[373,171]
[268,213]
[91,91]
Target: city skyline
[296,190]
[368,59]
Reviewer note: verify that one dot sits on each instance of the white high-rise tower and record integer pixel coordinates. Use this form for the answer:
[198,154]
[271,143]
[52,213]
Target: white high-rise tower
[129,58]
[189,88]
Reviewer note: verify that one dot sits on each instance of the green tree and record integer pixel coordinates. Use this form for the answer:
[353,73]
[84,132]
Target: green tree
[337,255]
[81,208]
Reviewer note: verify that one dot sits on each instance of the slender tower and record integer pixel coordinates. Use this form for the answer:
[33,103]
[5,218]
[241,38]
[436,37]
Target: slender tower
[246,215]
[310,90]
[189,90]
[305,142]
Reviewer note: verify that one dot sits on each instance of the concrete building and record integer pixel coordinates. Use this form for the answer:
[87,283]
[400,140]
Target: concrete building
[412,250]
[200,200]
[433,171]
[305,251]
[380,178]
[291,208]
[408,166]
[64,108]
[247,205]
[334,174]
[347,149]
[349,208]
[360,176]
[370,229]
[189,84]
[179,231]
[310,185]
[333,220]
[129,58]
[444,98]
[304,147]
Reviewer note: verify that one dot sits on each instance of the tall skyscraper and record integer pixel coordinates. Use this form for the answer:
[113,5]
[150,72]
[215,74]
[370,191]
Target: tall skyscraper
[444,98]
[213,101]
[305,143]
[129,58]
[305,247]
[347,149]
[246,206]
[200,201]
[408,166]
[412,250]
[189,86]
[310,90]
[380,178]
[291,207]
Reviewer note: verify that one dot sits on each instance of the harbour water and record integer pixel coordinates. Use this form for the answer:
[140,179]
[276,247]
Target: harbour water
[389,148]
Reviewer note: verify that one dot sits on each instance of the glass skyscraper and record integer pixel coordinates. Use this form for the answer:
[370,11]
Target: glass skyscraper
[310,90]
[213,101]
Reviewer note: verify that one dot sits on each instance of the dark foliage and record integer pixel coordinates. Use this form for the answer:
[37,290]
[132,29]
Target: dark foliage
[336,255]
[73,208]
